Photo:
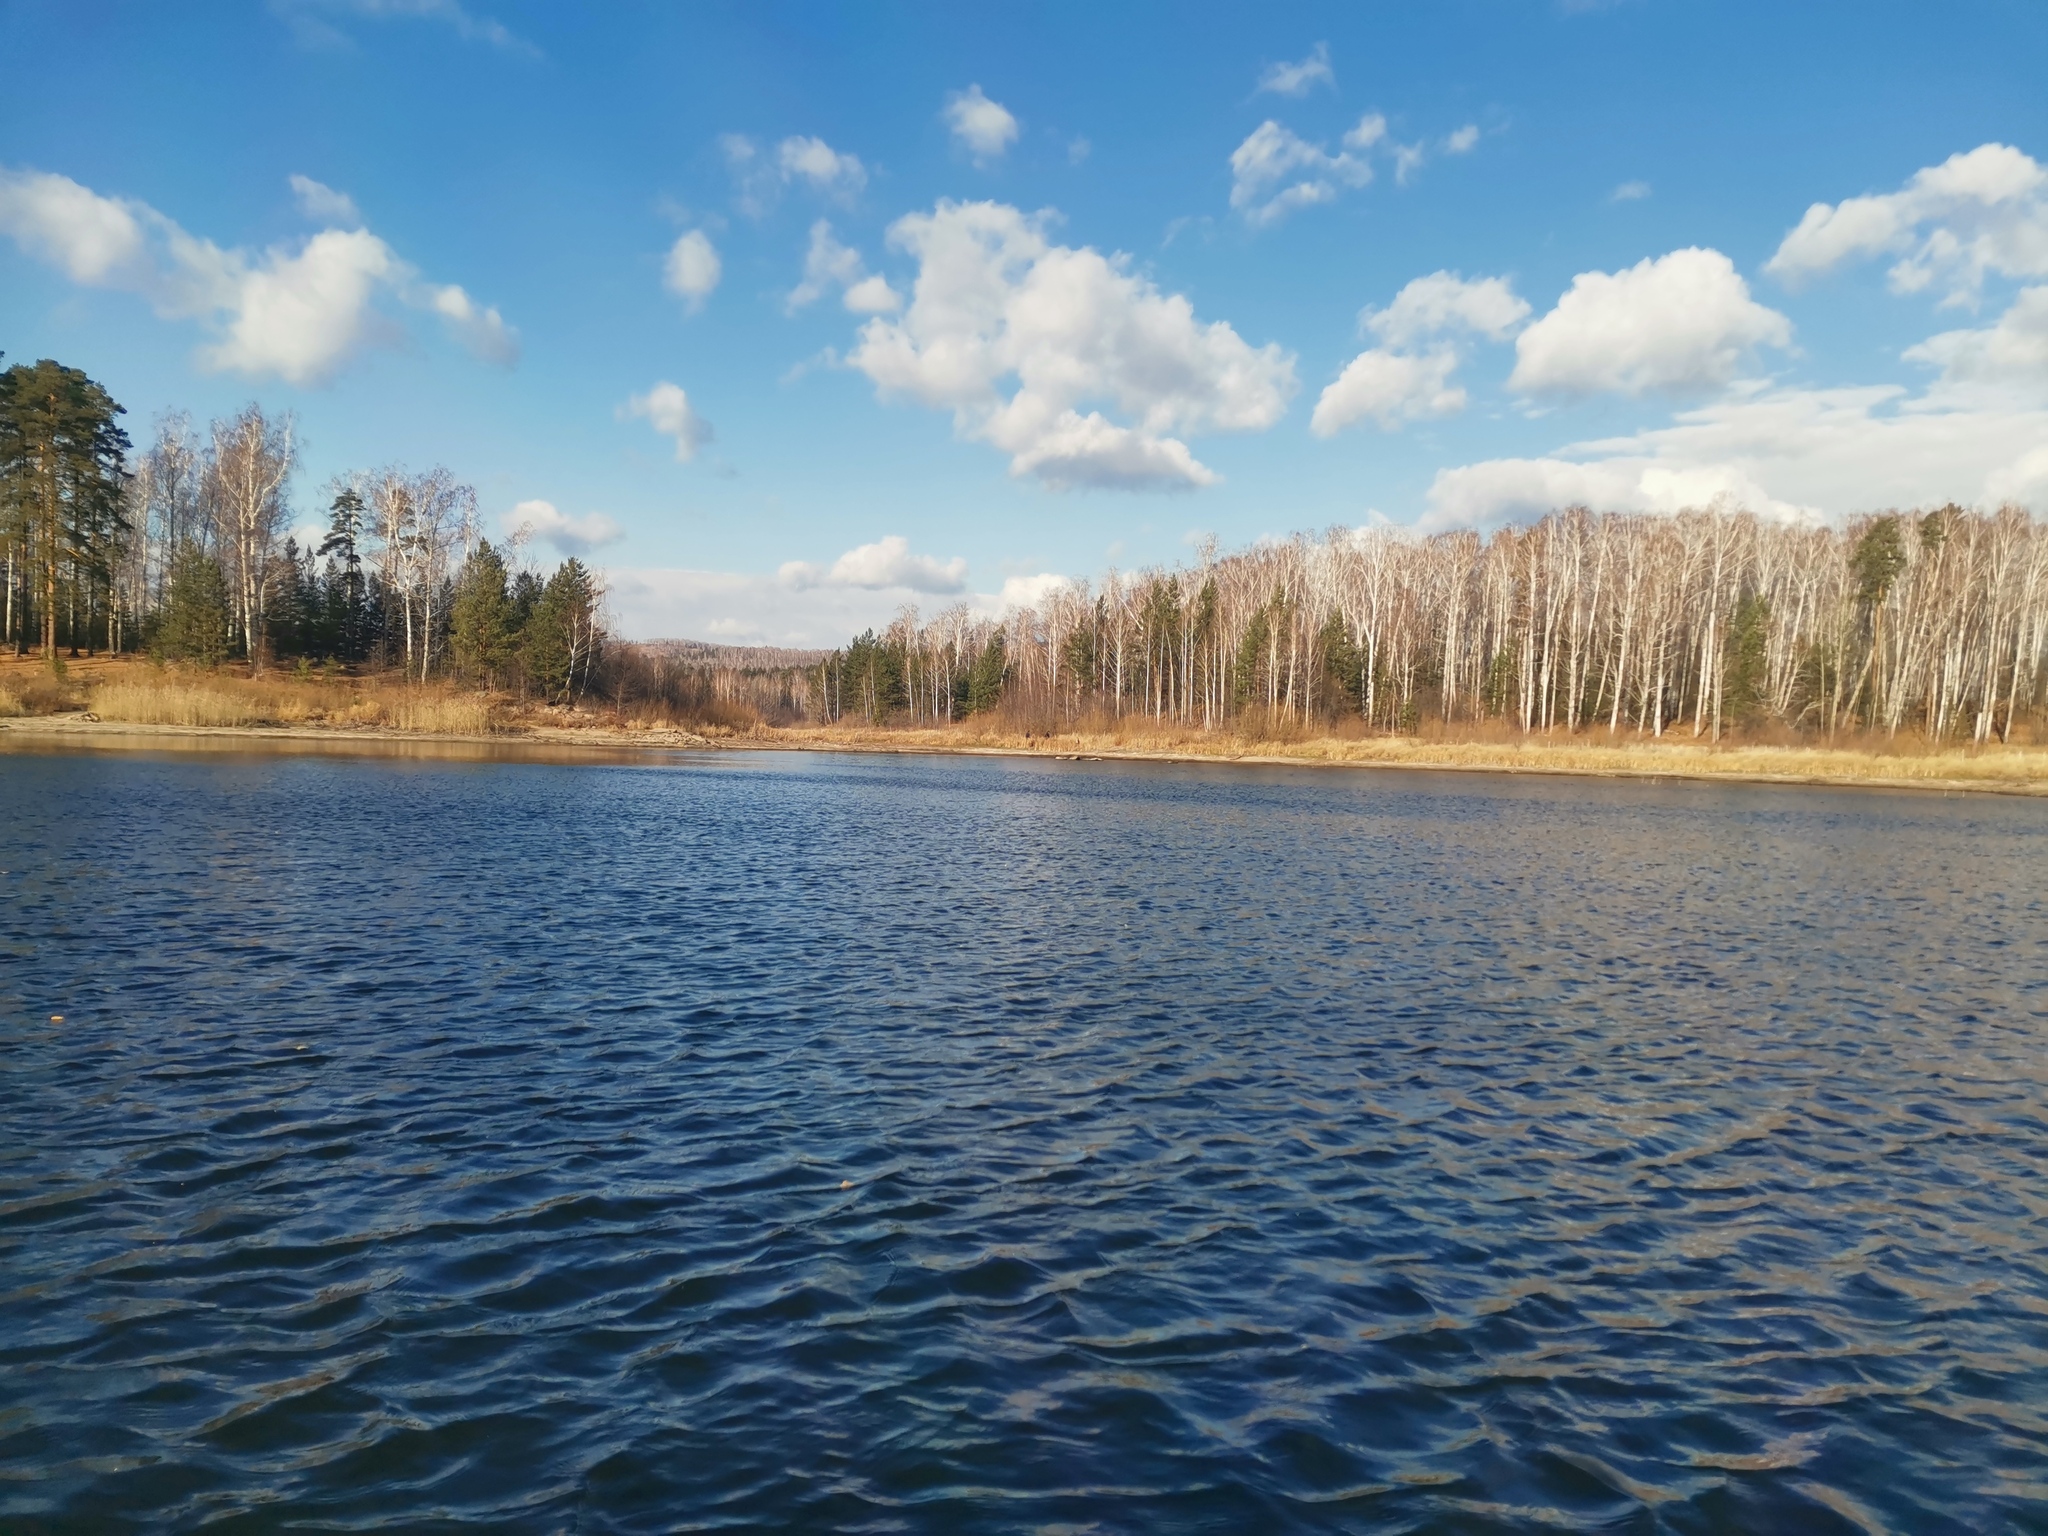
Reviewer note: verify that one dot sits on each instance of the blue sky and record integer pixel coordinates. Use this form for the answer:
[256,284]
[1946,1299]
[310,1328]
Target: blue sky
[1092,281]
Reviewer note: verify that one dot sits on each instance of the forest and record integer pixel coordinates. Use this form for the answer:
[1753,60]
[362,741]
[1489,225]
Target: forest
[1710,623]
[1707,622]
[184,551]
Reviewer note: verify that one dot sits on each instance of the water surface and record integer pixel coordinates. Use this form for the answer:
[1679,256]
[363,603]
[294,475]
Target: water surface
[899,1144]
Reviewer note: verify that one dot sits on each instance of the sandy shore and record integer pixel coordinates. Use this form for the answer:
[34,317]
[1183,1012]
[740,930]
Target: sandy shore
[2008,771]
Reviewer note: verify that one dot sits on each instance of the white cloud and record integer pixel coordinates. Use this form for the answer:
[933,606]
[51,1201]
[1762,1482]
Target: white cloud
[815,161]
[1275,171]
[570,535]
[1078,149]
[1392,388]
[90,239]
[1629,192]
[324,205]
[667,409]
[693,269]
[2013,352]
[996,300]
[1298,79]
[761,176]
[1024,592]
[1394,385]
[1787,453]
[304,17]
[479,328]
[1679,322]
[1444,301]
[1975,214]
[828,265]
[885,565]
[1462,141]
[982,127]
[737,608]
[299,312]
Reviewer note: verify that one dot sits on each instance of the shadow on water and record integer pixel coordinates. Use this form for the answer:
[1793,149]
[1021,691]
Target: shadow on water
[778,1141]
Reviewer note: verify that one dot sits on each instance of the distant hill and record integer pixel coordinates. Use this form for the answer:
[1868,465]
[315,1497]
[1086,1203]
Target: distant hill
[738,658]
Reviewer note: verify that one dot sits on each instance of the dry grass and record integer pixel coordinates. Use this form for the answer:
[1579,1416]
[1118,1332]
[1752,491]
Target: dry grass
[184,700]
[1902,762]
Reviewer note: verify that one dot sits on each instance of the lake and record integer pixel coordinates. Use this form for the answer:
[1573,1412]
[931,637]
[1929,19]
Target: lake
[785,1141]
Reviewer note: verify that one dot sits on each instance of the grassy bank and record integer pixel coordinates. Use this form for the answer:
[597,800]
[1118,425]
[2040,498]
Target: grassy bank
[129,697]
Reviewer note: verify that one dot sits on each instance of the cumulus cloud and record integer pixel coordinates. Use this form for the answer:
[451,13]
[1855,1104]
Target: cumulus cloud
[1274,171]
[1629,192]
[982,127]
[761,175]
[1444,301]
[571,535]
[887,564]
[1788,453]
[1025,592]
[667,409]
[1300,78]
[828,265]
[1393,384]
[323,205]
[1462,141]
[996,300]
[693,269]
[2012,352]
[1950,225]
[1392,388]
[1680,322]
[300,312]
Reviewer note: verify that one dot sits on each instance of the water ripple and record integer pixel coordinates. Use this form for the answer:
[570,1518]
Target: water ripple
[939,1145]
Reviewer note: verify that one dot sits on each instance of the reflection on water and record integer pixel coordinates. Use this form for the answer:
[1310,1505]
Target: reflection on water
[911,1144]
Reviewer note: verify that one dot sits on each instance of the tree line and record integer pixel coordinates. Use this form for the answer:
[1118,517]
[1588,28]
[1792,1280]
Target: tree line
[185,551]
[1702,623]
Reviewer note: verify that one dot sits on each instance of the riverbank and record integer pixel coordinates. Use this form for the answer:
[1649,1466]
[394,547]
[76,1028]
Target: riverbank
[1999,770]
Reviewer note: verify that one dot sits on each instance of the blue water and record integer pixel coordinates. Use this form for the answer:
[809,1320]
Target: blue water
[894,1144]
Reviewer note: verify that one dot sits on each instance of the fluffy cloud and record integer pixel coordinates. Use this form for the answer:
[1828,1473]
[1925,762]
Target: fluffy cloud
[996,300]
[1299,79]
[1674,323]
[762,175]
[1444,301]
[1629,192]
[982,127]
[667,409]
[297,312]
[1275,171]
[2013,352]
[1786,453]
[885,565]
[1950,225]
[1462,141]
[829,265]
[571,535]
[1393,385]
[323,205]
[693,269]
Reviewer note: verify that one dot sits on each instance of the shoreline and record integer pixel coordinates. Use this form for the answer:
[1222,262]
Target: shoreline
[600,743]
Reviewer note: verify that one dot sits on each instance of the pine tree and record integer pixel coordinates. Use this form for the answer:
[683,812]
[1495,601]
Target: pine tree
[561,639]
[348,597]
[195,621]
[62,468]
[481,618]
[985,677]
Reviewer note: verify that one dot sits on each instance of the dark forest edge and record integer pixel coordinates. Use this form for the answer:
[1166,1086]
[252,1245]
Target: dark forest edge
[173,574]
